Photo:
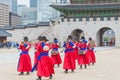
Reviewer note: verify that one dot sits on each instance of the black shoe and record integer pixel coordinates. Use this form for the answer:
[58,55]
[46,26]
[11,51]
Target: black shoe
[21,73]
[58,65]
[51,76]
[72,70]
[28,73]
[39,78]
[66,71]
[80,66]
[85,66]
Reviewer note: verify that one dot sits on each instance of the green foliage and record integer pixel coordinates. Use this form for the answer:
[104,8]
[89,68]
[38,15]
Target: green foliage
[106,39]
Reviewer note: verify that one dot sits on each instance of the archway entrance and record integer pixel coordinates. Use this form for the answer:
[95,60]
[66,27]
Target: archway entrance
[76,34]
[105,37]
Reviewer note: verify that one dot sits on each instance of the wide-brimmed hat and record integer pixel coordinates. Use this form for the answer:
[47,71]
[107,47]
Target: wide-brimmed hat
[69,37]
[55,38]
[44,38]
[25,38]
[39,38]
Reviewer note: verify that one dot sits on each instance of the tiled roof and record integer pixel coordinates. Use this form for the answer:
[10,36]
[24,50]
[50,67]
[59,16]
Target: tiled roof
[7,27]
[43,24]
[87,6]
[31,25]
[3,33]
[20,27]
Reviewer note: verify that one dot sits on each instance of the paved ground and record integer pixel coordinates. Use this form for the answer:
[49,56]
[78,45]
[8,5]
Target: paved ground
[106,68]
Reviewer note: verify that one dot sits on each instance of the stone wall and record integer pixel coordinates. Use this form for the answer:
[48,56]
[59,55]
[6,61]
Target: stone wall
[64,27]
[91,27]
[32,33]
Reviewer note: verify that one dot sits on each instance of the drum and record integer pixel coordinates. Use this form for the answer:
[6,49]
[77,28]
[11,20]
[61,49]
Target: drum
[81,52]
[53,52]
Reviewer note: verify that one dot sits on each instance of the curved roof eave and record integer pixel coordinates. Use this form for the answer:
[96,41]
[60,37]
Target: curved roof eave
[3,33]
[86,7]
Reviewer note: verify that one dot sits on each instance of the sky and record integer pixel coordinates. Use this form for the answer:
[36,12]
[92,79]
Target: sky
[24,2]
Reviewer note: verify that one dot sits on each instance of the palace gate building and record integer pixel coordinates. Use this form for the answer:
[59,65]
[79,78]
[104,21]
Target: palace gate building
[89,18]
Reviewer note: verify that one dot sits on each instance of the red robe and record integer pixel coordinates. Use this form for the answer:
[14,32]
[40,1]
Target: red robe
[45,66]
[83,58]
[76,50]
[24,64]
[69,57]
[56,59]
[91,55]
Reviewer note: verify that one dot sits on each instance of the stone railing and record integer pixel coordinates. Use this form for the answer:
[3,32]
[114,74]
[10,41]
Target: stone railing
[115,18]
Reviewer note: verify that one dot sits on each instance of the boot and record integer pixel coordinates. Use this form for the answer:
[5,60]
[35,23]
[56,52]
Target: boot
[80,66]
[93,63]
[51,76]
[85,66]
[58,65]
[72,70]
[39,78]
[28,73]
[66,71]
[21,73]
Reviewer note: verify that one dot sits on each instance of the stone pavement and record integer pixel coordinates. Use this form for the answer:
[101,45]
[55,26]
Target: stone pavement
[106,68]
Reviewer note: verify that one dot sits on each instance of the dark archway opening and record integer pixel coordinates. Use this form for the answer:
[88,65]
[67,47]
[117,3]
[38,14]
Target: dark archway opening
[76,34]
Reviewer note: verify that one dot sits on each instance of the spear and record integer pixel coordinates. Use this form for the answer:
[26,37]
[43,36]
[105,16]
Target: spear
[29,33]
[87,35]
[23,34]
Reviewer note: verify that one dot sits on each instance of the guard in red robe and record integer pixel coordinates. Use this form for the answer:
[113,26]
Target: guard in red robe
[55,55]
[36,51]
[69,57]
[90,51]
[45,66]
[82,54]
[24,64]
